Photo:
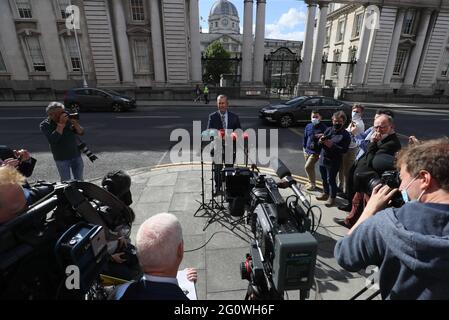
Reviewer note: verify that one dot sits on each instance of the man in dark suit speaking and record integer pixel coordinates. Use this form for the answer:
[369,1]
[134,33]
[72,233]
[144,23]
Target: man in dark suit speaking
[222,119]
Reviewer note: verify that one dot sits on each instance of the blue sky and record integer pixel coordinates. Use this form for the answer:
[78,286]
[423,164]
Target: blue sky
[285,19]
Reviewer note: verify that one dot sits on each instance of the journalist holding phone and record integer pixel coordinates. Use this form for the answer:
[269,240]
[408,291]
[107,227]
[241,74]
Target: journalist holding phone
[61,132]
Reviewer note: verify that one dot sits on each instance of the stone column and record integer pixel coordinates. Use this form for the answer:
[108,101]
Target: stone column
[126,67]
[319,44]
[156,39]
[247,72]
[416,54]
[259,43]
[304,71]
[195,48]
[394,46]
[362,52]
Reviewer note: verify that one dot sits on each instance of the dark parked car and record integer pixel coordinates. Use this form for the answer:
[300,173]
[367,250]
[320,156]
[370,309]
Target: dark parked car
[298,110]
[97,99]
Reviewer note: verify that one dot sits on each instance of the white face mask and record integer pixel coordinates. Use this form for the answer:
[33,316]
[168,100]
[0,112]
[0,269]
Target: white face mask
[356,116]
[315,121]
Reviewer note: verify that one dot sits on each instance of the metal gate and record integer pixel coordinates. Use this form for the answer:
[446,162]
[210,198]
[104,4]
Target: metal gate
[281,72]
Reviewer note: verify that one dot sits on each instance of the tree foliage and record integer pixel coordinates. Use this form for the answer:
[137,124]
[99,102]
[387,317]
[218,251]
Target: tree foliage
[217,62]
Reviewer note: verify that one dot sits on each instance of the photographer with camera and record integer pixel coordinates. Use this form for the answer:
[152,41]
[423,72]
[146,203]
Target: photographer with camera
[383,145]
[311,148]
[335,143]
[61,132]
[409,244]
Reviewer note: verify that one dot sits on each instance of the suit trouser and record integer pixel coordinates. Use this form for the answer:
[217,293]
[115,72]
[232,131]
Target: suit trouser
[329,177]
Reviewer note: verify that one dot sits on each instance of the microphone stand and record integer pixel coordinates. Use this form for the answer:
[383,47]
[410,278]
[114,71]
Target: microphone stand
[203,206]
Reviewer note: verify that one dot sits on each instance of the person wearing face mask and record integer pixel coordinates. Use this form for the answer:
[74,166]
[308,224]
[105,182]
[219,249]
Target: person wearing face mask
[355,128]
[311,148]
[335,143]
[410,244]
[383,142]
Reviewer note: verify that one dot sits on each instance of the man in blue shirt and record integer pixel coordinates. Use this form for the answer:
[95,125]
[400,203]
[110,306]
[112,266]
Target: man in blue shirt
[311,148]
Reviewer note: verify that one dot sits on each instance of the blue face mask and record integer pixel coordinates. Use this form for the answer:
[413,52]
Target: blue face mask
[404,193]
[315,121]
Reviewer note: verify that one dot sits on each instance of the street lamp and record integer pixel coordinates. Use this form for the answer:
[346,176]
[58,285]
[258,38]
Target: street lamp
[70,10]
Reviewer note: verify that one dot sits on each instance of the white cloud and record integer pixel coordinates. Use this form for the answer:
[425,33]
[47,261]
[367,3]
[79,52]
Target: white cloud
[286,28]
[292,18]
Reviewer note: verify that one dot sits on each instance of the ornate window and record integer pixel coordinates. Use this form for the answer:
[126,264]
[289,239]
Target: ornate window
[34,52]
[23,9]
[328,35]
[340,30]
[409,22]
[399,65]
[336,66]
[358,23]
[62,6]
[141,50]
[72,54]
[137,10]
[2,64]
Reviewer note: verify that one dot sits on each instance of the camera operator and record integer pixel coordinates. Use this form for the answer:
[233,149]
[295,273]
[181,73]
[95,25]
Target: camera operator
[335,142]
[20,159]
[409,244]
[160,249]
[61,134]
[12,195]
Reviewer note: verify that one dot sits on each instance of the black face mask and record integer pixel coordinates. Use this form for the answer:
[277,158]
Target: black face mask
[338,126]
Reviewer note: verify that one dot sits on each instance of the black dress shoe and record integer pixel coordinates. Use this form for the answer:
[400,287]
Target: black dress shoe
[342,195]
[345,208]
[341,222]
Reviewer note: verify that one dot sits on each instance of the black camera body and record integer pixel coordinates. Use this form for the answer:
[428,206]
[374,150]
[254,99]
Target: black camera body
[60,241]
[390,178]
[283,253]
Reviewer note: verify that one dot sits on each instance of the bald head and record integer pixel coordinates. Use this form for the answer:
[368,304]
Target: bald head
[159,245]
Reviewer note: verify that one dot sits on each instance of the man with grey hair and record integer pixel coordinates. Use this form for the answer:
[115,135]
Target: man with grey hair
[61,133]
[160,249]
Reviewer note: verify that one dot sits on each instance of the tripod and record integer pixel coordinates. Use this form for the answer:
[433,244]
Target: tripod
[203,206]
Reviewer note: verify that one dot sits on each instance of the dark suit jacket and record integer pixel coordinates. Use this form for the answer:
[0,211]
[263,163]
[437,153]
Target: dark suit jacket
[26,168]
[148,290]
[215,121]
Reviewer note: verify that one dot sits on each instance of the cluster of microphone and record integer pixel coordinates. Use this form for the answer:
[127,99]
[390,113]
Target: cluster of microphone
[210,134]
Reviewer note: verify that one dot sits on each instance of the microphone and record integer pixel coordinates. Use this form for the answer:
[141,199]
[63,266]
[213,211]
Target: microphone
[283,172]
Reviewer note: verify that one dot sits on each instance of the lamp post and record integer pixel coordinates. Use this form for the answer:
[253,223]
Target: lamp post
[74,16]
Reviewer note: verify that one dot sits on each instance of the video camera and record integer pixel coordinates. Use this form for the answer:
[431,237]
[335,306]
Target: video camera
[283,254]
[371,179]
[57,249]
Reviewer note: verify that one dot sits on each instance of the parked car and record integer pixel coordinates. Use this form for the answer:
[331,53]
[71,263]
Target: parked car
[298,110]
[80,99]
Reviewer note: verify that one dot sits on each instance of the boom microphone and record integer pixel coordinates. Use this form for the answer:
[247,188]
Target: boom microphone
[284,173]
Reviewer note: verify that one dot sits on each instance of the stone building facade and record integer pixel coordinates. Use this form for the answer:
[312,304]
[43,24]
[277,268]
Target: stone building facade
[125,44]
[401,48]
